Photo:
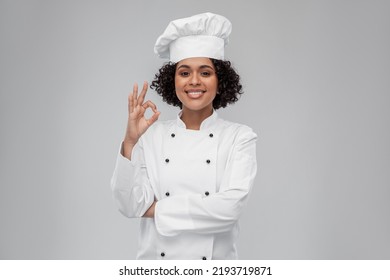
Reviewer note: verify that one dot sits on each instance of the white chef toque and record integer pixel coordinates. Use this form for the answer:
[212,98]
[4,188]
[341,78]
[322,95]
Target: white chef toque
[203,35]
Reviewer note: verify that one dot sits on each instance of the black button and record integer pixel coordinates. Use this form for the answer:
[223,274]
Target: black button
[208,161]
[162,254]
[211,135]
[206,193]
[204,258]
[167,193]
[173,135]
[167,160]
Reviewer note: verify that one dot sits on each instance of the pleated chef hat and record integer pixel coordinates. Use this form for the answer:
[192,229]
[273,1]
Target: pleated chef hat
[203,35]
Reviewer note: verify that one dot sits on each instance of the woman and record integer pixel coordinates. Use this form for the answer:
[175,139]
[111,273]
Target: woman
[188,178]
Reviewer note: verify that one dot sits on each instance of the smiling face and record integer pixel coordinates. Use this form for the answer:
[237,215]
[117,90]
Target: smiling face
[196,84]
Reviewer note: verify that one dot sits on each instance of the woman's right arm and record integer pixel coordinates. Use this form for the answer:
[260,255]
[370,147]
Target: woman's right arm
[131,188]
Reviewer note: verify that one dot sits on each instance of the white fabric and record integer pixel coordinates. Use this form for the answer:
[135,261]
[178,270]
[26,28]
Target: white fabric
[188,223]
[197,46]
[203,35]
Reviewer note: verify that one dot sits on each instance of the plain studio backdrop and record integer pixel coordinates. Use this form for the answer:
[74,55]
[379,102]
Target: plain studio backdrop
[317,93]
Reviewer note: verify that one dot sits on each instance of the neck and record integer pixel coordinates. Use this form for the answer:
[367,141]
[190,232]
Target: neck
[193,119]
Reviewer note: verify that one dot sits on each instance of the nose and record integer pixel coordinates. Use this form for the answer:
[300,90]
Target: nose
[194,81]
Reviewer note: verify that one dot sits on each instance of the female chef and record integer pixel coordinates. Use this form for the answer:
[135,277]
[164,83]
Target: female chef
[188,179]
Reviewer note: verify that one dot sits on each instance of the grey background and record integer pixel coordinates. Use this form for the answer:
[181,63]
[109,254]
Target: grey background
[316,76]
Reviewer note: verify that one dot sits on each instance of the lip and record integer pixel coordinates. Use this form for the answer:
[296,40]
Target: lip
[194,90]
[195,93]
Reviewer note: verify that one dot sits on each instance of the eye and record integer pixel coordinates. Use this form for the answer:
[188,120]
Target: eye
[205,74]
[184,74]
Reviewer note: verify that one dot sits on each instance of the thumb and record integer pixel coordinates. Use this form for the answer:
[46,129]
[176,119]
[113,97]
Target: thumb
[153,118]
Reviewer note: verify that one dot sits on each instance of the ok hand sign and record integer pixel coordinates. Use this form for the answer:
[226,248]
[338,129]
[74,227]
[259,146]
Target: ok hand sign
[137,123]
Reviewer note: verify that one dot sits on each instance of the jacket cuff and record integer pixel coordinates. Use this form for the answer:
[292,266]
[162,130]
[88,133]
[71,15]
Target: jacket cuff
[171,216]
[124,171]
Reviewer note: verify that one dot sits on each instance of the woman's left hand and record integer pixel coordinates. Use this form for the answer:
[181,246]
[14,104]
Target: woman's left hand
[150,212]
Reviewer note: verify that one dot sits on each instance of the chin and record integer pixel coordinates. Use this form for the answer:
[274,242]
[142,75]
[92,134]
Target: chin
[193,107]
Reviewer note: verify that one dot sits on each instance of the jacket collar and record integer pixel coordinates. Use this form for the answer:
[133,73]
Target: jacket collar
[207,123]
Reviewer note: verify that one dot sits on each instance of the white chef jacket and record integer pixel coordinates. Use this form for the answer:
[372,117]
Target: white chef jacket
[200,179]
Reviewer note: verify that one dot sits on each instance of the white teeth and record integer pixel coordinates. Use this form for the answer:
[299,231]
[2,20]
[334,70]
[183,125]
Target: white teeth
[195,93]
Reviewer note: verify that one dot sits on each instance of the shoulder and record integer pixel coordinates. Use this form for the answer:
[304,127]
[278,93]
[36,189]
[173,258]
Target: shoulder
[240,132]
[161,126]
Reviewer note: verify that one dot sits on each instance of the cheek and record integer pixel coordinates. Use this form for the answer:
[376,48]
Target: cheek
[178,83]
[214,84]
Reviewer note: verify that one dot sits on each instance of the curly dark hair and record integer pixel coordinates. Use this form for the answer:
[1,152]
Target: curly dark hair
[229,86]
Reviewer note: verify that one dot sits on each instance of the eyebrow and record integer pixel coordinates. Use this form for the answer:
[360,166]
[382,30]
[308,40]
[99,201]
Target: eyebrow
[200,67]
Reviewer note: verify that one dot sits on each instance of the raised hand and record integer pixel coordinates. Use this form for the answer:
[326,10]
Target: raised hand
[137,123]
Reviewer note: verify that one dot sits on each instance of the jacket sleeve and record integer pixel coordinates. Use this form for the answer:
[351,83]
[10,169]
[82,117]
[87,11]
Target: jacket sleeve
[130,184]
[217,212]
